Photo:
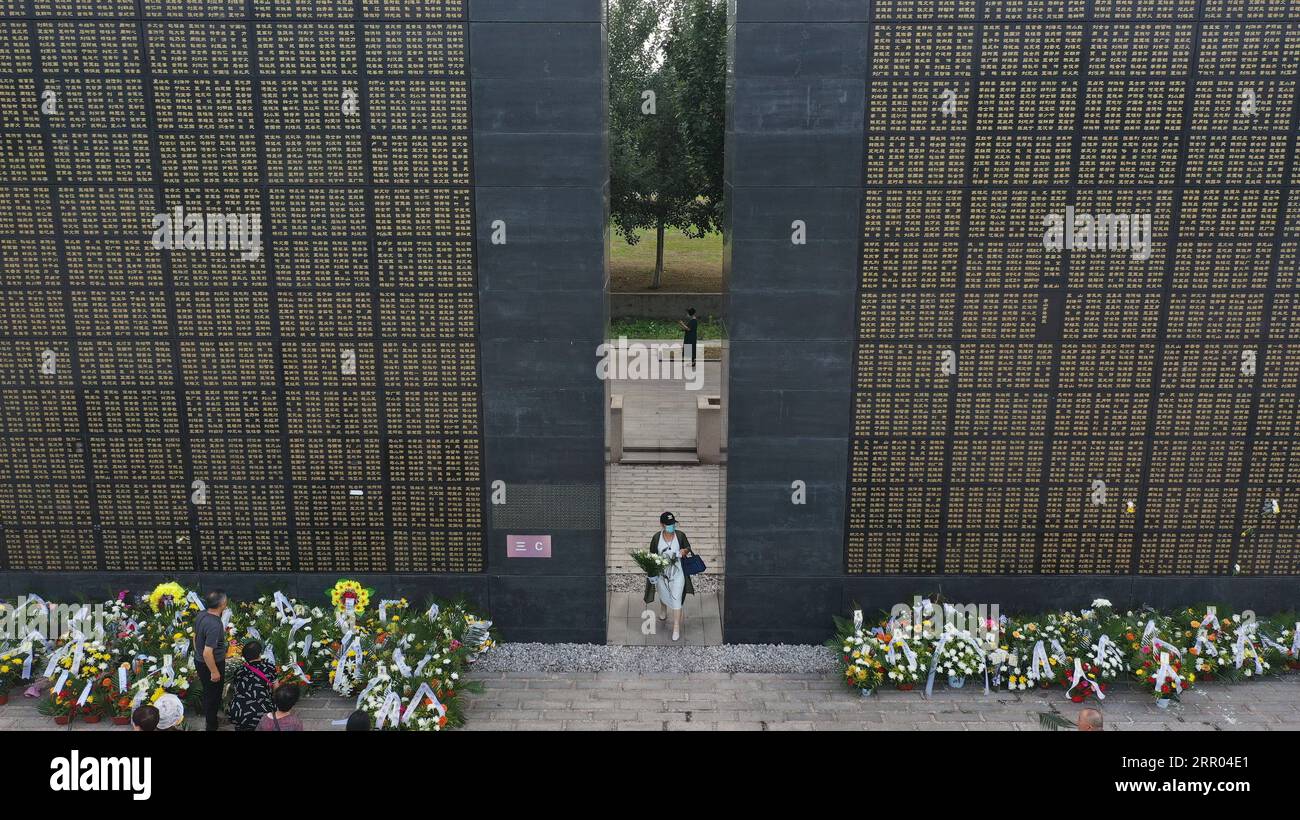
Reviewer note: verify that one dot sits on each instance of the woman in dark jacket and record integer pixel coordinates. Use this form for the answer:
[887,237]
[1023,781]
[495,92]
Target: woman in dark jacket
[252,689]
[673,584]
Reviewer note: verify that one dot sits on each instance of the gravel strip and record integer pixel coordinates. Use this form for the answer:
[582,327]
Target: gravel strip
[588,657]
[636,583]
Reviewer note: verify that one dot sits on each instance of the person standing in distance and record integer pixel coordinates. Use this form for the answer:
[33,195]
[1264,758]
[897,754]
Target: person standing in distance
[210,654]
[690,340]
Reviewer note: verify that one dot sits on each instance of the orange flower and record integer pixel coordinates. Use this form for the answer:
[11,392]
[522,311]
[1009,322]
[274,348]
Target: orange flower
[442,721]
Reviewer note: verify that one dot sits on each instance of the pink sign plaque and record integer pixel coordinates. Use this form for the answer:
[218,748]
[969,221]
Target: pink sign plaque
[528,546]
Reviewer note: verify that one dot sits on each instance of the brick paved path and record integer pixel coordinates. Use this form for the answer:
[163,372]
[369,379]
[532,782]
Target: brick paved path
[639,493]
[721,701]
[627,701]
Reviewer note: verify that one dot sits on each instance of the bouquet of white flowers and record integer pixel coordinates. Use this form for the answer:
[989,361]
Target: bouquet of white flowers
[652,564]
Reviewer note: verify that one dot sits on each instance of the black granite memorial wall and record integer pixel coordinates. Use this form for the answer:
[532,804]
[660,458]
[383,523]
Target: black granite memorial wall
[412,326]
[971,410]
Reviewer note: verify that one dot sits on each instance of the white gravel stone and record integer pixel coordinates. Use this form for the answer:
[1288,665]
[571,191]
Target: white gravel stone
[586,657]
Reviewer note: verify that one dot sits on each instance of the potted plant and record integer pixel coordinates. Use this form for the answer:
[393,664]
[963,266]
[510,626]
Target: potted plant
[59,705]
[11,670]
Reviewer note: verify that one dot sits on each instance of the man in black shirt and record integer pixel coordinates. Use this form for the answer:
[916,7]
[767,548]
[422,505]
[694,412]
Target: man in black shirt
[210,653]
[691,326]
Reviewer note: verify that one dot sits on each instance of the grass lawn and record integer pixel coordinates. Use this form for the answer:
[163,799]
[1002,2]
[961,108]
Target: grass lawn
[663,329]
[690,265]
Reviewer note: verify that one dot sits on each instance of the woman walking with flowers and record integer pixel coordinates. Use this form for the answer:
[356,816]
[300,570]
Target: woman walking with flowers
[673,583]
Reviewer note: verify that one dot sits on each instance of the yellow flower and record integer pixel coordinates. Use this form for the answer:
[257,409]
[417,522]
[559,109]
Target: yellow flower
[1191,677]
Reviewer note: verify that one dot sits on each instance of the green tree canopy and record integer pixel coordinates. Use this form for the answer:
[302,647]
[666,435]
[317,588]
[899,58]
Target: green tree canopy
[666,149]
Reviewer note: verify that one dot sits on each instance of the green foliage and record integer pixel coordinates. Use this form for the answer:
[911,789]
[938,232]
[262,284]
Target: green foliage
[666,165]
[634,328]
[1051,721]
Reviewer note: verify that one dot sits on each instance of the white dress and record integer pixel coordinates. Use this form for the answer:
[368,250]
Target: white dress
[671,582]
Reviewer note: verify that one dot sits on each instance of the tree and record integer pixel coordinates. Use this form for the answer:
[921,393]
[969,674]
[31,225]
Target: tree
[696,49]
[654,182]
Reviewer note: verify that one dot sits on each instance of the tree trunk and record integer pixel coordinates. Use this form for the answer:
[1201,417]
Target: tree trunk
[659,255]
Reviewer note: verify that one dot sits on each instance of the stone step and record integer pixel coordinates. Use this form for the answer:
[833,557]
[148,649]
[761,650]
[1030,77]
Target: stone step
[631,456]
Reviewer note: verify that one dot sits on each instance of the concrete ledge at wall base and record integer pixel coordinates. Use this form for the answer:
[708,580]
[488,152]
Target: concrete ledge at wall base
[659,305]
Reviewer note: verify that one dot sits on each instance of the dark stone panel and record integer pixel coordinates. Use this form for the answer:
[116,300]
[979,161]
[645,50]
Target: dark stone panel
[539,106]
[542,266]
[531,51]
[789,610]
[570,607]
[515,364]
[572,551]
[570,11]
[768,105]
[558,459]
[764,505]
[549,160]
[787,552]
[825,159]
[754,459]
[793,413]
[545,412]
[802,50]
[793,316]
[790,365]
[832,214]
[571,317]
[780,266]
[760,11]
[532,215]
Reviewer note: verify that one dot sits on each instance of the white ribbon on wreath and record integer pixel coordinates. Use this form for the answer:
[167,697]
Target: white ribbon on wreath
[420,694]
[282,604]
[1244,635]
[1165,674]
[1103,643]
[1080,677]
[370,684]
[1210,619]
[1157,644]
[1205,646]
[1039,665]
[399,660]
[383,608]
[896,640]
[29,643]
[390,709]
[433,612]
[85,693]
[340,674]
[296,624]
[59,654]
[964,637]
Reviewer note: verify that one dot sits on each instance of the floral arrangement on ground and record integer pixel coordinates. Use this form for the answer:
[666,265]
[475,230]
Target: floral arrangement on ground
[404,665]
[1083,653]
